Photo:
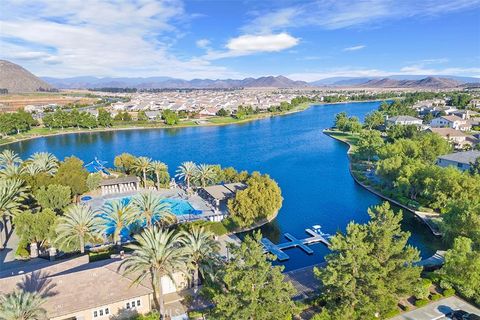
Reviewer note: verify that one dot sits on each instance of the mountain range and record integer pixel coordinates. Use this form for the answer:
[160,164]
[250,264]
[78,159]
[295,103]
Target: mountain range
[166,82]
[14,78]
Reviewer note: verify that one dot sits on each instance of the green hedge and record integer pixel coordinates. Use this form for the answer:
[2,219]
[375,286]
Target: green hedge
[97,256]
[435,297]
[391,313]
[421,302]
[448,292]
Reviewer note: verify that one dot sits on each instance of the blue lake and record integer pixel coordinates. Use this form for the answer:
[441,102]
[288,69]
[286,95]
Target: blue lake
[310,167]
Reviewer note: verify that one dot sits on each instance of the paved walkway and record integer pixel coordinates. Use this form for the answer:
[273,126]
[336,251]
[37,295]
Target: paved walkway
[438,309]
[304,281]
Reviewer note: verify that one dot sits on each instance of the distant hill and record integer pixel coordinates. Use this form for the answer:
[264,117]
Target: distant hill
[166,82]
[354,81]
[16,79]
[429,82]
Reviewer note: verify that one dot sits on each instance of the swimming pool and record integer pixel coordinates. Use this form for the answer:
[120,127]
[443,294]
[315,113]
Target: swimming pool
[177,206]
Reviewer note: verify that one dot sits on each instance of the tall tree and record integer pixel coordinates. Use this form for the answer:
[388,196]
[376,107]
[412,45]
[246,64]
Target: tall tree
[371,266]
[462,269]
[252,287]
[71,173]
[124,162]
[116,216]
[37,227]
[187,172]
[77,227]
[22,305]
[142,165]
[12,194]
[374,119]
[160,170]
[156,254]
[9,157]
[55,197]
[152,209]
[200,247]
[42,162]
[462,219]
[205,174]
[369,143]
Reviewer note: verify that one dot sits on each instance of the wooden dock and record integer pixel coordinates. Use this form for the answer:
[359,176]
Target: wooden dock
[277,249]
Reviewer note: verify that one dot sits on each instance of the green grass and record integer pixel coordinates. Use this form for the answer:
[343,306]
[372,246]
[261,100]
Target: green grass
[351,139]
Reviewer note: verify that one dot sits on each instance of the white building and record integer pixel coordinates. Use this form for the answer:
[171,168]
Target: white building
[453,122]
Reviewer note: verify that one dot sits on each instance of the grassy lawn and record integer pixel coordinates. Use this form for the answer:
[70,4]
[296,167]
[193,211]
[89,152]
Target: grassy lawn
[351,139]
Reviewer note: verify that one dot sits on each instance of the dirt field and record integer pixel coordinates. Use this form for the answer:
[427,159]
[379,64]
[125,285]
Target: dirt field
[12,102]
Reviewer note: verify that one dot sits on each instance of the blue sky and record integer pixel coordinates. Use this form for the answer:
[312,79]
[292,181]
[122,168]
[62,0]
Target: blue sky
[304,40]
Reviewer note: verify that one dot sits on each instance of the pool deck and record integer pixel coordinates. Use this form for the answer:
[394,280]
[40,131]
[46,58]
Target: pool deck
[195,201]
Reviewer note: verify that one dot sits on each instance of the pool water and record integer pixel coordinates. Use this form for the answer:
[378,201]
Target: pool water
[177,207]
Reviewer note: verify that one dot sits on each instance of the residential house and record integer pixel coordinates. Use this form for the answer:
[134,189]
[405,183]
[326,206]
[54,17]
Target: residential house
[404,120]
[458,138]
[153,115]
[75,289]
[453,122]
[460,160]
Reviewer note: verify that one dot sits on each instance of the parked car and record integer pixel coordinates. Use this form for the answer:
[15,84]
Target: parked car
[462,315]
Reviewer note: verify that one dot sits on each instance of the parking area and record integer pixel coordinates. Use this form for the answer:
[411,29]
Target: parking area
[438,309]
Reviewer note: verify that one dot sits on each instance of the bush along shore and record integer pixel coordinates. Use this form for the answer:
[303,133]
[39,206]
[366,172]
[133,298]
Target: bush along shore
[399,164]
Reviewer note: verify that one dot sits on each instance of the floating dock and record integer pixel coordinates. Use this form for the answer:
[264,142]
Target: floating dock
[277,249]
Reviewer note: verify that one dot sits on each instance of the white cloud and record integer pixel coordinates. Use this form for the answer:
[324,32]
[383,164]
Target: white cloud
[347,13]
[203,43]
[354,48]
[102,38]
[262,43]
[250,44]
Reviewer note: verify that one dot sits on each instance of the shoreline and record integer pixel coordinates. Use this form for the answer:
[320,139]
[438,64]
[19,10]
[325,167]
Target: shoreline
[423,216]
[301,108]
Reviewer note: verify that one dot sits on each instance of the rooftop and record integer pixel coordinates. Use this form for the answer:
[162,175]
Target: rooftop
[403,118]
[60,282]
[465,157]
[122,180]
[224,191]
[448,132]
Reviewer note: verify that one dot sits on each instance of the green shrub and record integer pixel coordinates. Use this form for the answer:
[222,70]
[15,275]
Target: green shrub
[421,302]
[391,313]
[100,255]
[435,297]
[22,251]
[195,315]
[448,292]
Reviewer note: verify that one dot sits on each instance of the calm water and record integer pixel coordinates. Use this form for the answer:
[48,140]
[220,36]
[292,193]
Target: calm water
[310,167]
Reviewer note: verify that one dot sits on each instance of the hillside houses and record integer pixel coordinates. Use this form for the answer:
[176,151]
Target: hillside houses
[404,120]
[452,121]
[460,160]
[459,139]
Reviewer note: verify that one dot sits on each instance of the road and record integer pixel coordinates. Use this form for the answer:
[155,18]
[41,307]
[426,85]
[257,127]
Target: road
[437,310]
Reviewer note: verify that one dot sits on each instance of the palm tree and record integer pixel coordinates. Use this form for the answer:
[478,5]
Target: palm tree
[116,215]
[150,208]
[78,226]
[43,162]
[158,167]
[156,254]
[187,171]
[200,246]
[11,171]
[142,165]
[12,193]
[205,174]
[8,157]
[22,305]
